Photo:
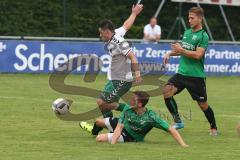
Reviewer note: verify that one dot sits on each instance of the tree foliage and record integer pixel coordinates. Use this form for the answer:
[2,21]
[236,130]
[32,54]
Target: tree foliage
[79,18]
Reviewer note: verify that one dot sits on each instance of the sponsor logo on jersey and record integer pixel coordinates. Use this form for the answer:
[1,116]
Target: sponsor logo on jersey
[194,37]
[188,46]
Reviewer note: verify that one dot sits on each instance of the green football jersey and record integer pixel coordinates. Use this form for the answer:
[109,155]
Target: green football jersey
[189,66]
[139,125]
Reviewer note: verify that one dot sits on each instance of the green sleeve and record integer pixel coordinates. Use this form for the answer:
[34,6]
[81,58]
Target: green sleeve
[204,41]
[122,116]
[122,106]
[158,122]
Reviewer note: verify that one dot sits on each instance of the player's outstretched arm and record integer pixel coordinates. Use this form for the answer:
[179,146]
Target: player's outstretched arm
[136,9]
[177,136]
[117,132]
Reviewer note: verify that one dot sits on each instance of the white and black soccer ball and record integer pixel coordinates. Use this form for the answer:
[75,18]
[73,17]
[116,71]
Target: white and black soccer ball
[61,106]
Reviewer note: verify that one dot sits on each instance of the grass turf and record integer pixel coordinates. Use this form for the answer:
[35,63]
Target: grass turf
[29,129]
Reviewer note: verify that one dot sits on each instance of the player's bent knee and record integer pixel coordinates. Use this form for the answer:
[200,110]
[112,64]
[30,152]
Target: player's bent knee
[100,102]
[98,138]
[203,105]
[169,91]
[101,138]
[166,95]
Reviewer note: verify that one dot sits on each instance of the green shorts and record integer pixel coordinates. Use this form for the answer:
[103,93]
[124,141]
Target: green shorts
[114,90]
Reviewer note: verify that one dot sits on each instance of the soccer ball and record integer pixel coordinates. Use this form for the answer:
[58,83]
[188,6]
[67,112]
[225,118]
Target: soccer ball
[60,106]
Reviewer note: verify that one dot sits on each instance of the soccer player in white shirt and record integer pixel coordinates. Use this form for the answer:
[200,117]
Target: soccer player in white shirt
[122,64]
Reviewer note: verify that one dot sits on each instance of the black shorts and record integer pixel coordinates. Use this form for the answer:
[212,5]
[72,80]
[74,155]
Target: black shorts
[196,86]
[113,121]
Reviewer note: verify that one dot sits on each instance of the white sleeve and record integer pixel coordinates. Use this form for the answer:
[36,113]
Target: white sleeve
[145,30]
[159,32]
[120,31]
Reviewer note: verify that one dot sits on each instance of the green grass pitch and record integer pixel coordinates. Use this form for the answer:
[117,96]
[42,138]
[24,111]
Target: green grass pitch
[30,131]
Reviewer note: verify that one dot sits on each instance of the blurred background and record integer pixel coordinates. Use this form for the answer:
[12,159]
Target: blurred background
[79,18]
[41,36]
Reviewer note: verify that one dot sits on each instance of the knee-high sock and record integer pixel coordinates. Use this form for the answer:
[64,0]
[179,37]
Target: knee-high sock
[210,117]
[96,129]
[173,109]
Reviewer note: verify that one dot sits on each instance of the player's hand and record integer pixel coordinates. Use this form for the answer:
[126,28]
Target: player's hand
[138,79]
[166,58]
[136,9]
[176,47]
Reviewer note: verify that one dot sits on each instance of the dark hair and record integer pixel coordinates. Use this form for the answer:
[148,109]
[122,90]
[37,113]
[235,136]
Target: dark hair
[142,96]
[106,24]
[197,10]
